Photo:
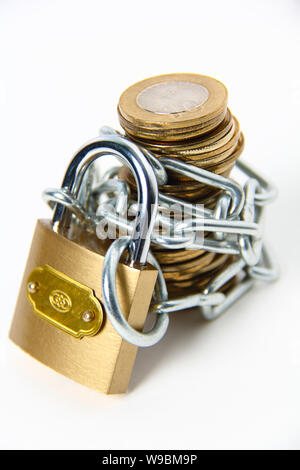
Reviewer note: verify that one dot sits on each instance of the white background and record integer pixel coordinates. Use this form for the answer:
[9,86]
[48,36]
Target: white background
[233,383]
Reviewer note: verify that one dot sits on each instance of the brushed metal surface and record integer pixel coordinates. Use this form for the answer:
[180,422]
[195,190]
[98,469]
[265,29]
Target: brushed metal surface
[103,362]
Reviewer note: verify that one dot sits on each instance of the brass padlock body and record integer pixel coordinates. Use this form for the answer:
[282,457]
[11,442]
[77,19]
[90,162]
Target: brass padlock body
[104,361]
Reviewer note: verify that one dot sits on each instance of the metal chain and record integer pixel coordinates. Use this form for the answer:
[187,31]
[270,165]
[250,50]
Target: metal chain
[235,225]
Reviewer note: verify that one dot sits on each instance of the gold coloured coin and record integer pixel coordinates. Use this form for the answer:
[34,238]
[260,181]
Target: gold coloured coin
[184,117]
[172,106]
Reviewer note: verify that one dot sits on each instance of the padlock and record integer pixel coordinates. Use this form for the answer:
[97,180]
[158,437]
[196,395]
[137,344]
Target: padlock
[76,297]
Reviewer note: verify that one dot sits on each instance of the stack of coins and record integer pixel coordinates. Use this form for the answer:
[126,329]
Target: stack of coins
[185,117]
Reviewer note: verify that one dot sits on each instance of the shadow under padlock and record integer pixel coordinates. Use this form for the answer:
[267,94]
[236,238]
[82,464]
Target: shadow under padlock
[76,297]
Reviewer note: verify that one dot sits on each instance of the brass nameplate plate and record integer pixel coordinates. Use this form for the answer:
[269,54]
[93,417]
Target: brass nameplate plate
[63,302]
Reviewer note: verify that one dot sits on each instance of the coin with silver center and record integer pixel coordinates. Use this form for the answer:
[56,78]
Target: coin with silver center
[184,116]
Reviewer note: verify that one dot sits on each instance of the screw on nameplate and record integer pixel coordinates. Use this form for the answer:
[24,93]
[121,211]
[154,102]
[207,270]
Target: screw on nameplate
[63,302]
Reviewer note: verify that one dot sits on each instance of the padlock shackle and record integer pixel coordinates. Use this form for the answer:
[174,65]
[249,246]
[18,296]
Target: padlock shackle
[130,155]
